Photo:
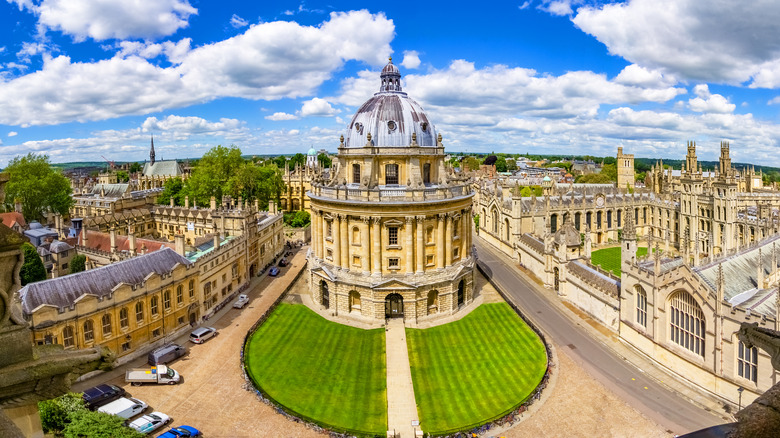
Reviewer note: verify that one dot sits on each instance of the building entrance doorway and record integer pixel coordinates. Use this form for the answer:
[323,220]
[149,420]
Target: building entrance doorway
[394,306]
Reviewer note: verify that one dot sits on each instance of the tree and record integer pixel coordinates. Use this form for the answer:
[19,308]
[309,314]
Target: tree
[297,159]
[525,192]
[511,164]
[501,164]
[471,163]
[98,425]
[78,263]
[122,176]
[610,171]
[325,161]
[135,167]
[280,161]
[476,223]
[212,173]
[32,268]
[39,186]
[55,413]
[172,189]
[297,219]
[593,178]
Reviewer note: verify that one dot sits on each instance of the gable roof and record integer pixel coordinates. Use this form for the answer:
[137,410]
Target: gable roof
[102,242]
[162,168]
[63,292]
[111,190]
[12,218]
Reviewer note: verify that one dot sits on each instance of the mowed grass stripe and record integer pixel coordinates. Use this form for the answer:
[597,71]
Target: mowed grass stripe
[609,258]
[326,371]
[469,371]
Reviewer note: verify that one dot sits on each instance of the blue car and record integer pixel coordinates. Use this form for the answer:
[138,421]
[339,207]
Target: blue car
[181,431]
[273,272]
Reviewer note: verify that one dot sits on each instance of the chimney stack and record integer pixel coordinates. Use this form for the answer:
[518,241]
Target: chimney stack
[187,201]
[213,203]
[179,243]
[112,235]
[18,205]
[171,201]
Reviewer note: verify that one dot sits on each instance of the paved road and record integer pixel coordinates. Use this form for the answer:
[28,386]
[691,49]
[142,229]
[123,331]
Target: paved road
[630,383]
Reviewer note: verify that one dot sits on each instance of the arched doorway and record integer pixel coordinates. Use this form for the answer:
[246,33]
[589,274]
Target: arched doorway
[394,306]
[251,270]
[325,294]
[460,293]
[354,301]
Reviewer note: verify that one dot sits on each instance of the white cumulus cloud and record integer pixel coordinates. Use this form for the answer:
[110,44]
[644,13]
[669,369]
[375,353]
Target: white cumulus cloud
[706,102]
[281,116]
[411,59]
[13,134]
[317,108]
[238,22]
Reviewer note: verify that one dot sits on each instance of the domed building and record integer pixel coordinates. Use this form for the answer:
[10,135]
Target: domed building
[391,223]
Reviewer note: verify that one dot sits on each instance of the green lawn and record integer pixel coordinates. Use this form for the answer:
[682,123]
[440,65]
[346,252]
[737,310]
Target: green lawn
[475,369]
[609,258]
[331,373]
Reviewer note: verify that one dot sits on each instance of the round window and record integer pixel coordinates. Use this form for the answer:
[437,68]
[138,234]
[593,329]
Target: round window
[359,128]
[424,127]
[391,125]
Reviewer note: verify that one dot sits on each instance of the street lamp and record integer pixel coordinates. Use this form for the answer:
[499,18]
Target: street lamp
[739,390]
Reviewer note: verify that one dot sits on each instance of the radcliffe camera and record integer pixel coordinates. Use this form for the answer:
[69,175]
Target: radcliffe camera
[301,219]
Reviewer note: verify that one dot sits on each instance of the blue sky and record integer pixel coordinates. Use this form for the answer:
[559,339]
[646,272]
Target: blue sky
[85,78]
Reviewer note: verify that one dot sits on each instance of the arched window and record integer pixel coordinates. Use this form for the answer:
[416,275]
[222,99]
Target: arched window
[67,336]
[179,294]
[687,327]
[139,311]
[553,223]
[167,299]
[192,288]
[391,174]
[641,306]
[426,173]
[747,362]
[123,320]
[325,294]
[355,235]
[106,322]
[495,221]
[89,331]
[506,230]
[356,173]
[154,304]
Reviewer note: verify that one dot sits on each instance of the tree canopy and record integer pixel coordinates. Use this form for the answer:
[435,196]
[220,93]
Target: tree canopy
[98,425]
[32,268]
[173,189]
[297,219]
[78,263]
[325,161]
[39,186]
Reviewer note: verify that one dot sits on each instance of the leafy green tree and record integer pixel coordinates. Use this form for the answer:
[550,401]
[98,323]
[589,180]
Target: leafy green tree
[511,164]
[136,167]
[610,171]
[98,425]
[32,268]
[210,176]
[55,413]
[297,159]
[280,161]
[476,222]
[122,176]
[501,164]
[593,178]
[173,189]
[525,192]
[78,263]
[297,219]
[39,186]
[471,162]
[325,161]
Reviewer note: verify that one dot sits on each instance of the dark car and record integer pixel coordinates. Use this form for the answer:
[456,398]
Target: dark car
[180,432]
[283,262]
[102,394]
[273,272]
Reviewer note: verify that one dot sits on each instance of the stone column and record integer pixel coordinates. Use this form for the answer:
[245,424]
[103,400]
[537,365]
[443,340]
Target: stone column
[315,222]
[448,242]
[336,237]
[320,235]
[365,253]
[376,238]
[409,244]
[440,242]
[420,244]
[344,241]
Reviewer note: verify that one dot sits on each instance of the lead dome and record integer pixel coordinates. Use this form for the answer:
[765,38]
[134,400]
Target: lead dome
[390,116]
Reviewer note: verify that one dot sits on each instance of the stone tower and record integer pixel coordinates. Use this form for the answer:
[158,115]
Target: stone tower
[625,170]
[628,241]
[724,204]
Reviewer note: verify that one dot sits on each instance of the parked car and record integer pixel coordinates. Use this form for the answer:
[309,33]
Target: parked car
[150,423]
[157,374]
[166,353]
[241,301]
[273,272]
[181,431]
[283,262]
[102,394]
[201,334]
[124,407]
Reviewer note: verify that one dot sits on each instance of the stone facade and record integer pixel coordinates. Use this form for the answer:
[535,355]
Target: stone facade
[391,224]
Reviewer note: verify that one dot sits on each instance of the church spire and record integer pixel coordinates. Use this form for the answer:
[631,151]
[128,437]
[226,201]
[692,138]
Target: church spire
[151,152]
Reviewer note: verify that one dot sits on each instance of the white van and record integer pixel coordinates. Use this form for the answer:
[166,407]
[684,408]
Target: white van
[124,407]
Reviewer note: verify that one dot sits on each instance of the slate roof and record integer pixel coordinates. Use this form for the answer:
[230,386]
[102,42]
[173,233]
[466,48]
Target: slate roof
[111,190]
[162,168]
[63,292]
